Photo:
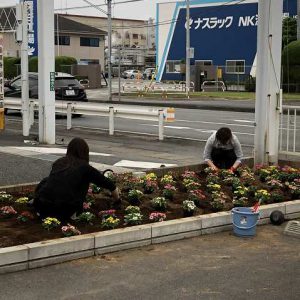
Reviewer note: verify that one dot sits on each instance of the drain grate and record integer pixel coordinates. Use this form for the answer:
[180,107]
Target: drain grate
[293,228]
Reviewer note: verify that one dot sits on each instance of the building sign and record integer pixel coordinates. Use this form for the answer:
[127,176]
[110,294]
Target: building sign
[32,28]
[1,71]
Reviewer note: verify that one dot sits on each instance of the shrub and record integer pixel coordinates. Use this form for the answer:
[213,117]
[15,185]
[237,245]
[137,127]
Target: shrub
[11,67]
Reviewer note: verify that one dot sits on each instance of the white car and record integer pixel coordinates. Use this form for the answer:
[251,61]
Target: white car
[132,74]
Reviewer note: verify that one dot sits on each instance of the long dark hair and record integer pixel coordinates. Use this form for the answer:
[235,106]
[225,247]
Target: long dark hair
[223,135]
[78,148]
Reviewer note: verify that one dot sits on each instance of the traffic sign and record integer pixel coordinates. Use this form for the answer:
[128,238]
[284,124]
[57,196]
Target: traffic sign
[52,81]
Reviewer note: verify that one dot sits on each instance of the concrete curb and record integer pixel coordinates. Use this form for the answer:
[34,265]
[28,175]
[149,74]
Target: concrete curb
[55,251]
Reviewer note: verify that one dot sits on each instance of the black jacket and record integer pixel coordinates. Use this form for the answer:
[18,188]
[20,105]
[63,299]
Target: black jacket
[62,193]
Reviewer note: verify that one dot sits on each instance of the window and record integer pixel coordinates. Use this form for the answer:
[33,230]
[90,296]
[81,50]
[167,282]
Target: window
[135,36]
[204,62]
[17,84]
[89,42]
[143,36]
[127,35]
[62,40]
[173,66]
[86,61]
[235,66]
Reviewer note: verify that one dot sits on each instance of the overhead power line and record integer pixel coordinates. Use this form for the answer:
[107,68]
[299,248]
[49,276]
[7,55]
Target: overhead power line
[96,5]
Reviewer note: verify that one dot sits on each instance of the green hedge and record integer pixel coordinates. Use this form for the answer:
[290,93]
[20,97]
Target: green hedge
[64,63]
[33,64]
[11,67]
[291,66]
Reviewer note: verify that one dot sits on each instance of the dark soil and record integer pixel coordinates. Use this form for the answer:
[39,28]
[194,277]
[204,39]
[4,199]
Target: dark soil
[14,232]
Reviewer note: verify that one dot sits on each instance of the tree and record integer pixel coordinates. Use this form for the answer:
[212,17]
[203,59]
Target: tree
[289,31]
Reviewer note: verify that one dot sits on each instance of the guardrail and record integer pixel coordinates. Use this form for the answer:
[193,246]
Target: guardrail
[289,132]
[164,89]
[103,110]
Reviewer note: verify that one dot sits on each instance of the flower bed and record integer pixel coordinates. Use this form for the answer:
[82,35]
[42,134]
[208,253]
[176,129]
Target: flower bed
[150,199]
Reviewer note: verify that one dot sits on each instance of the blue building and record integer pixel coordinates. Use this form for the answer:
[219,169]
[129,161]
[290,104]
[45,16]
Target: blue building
[222,33]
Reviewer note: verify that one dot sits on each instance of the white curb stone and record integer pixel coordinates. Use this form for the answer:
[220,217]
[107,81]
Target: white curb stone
[61,246]
[13,255]
[122,236]
[216,219]
[266,210]
[59,259]
[175,227]
[292,207]
[124,246]
[216,229]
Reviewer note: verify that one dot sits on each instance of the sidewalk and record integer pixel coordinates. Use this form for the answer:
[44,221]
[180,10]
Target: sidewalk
[217,266]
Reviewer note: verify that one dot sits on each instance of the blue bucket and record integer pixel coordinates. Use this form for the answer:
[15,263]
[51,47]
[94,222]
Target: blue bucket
[244,221]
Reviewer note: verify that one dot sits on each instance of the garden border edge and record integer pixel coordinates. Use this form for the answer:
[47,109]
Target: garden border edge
[23,257]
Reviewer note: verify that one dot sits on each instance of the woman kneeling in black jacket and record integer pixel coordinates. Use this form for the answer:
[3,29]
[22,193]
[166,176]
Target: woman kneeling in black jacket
[63,192]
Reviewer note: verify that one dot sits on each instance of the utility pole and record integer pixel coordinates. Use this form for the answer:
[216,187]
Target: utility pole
[109,49]
[24,69]
[46,72]
[268,104]
[298,20]
[187,60]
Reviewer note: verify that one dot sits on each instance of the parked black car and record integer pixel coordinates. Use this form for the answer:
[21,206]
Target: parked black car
[67,87]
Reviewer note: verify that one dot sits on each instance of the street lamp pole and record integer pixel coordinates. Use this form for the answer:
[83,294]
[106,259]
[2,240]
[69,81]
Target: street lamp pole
[109,49]
[187,63]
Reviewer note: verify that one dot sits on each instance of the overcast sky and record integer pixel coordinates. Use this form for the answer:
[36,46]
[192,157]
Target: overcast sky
[142,10]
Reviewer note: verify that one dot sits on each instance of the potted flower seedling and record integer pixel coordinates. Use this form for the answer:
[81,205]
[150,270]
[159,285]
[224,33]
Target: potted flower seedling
[86,217]
[294,188]
[239,201]
[135,196]
[109,219]
[70,230]
[212,178]
[50,223]
[277,196]
[188,207]
[4,197]
[94,189]
[274,184]
[189,175]
[263,196]
[197,196]
[240,191]
[159,203]
[86,205]
[25,216]
[22,200]
[213,187]
[169,191]
[190,184]
[218,200]
[133,215]
[110,222]
[7,211]
[149,186]
[167,179]
[157,216]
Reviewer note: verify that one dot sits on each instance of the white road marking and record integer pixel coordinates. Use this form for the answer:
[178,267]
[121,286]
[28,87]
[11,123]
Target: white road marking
[141,164]
[46,150]
[244,121]
[217,123]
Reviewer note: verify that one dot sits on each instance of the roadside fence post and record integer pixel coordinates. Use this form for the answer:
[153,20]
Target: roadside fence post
[69,116]
[161,124]
[111,121]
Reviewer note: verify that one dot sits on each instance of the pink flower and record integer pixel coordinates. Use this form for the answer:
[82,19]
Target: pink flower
[86,205]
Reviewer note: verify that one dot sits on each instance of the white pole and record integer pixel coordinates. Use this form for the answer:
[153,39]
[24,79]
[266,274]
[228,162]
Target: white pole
[111,121]
[298,20]
[109,49]
[31,112]
[69,116]
[46,71]
[161,124]
[24,70]
[267,81]
[262,99]
[275,40]
[119,73]
[187,63]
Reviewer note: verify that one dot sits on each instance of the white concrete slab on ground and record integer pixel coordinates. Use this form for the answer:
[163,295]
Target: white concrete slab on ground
[116,169]
[141,164]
